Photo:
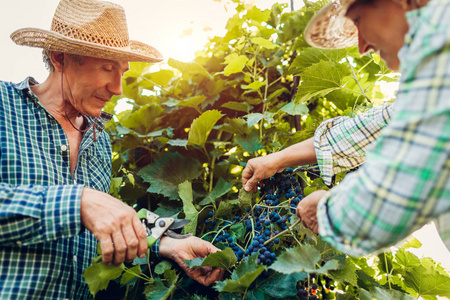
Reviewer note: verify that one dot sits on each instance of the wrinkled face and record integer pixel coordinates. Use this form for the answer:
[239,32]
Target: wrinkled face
[381,27]
[89,85]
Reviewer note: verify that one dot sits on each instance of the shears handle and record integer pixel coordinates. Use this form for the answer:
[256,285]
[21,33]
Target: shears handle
[151,241]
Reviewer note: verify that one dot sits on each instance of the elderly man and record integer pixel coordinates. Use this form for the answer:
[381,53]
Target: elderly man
[55,160]
[405,179]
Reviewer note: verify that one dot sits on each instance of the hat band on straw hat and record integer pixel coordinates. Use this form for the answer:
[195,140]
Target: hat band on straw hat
[90,28]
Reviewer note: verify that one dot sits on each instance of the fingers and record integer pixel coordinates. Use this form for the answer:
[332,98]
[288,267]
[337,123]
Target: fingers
[141,237]
[120,247]
[119,230]
[107,246]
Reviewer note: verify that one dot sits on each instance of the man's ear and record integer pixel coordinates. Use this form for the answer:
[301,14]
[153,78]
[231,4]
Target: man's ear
[57,59]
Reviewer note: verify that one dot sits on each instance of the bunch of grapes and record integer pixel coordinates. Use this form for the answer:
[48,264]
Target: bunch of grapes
[272,215]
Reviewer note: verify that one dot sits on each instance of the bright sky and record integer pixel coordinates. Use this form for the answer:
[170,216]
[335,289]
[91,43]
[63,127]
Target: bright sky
[160,23]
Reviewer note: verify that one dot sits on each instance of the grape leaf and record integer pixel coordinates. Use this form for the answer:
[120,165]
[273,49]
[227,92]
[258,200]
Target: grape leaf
[189,69]
[249,142]
[99,275]
[224,209]
[279,285]
[425,282]
[235,63]
[242,277]
[139,120]
[185,192]
[245,198]
[222,259]
[158,290]
[263,43]
[161,77]
[167,172]
[320,79]
[294,110]
[303,258]
[345,274]
[221,188]
[239,106]
[311,56]
[380,293]
[202,126]
[131,274]
[192,102]
[162,267]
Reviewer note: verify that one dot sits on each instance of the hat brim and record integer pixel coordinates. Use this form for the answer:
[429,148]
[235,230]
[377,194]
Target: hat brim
[331,29]
[39,38]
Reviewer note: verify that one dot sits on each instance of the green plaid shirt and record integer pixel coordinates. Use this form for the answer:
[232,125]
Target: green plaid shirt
[44,248]
[405,180]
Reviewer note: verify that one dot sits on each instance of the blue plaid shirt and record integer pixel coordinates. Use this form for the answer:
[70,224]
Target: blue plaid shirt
[405,180]
[44,248]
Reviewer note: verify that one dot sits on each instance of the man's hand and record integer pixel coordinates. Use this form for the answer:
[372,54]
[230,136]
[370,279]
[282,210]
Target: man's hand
[115,224]
[307,210]
[260,168]
[187,249]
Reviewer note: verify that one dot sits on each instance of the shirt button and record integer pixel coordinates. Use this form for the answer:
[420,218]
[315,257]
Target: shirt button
[63,148]
[75,258]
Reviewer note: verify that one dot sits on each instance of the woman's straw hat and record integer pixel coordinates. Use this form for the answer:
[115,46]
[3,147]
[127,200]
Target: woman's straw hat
[330,29]
[89,28]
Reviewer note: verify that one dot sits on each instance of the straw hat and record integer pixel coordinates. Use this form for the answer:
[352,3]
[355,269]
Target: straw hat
[89,28]
[330,29]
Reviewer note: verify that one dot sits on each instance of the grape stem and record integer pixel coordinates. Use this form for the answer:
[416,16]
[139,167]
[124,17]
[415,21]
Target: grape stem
[289,229]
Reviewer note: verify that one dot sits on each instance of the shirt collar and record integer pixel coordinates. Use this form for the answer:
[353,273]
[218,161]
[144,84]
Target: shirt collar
[30,81]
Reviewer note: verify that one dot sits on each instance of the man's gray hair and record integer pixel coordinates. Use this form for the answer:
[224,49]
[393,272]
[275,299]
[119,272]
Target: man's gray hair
[79,59]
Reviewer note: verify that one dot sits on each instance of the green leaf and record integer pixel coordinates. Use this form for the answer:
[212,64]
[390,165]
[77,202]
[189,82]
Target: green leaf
[278,285]
[294,110]
[131,274]
[167,172]
[222,259]
[161,77]
[237,231]
[253,118]
[202,126]
[192,102]
[303,258]
[163,266]
[249,142]
[245,198]
[185,192]
[241,278]
[235,63]
[263,43]
[239,106]
[427,282]
[189,69]
[141,120]
[160,291]
[311,56]
[98,276]
[221,188]
[345,274]
[255,85]
[320,79]
[380,293]
[224,209]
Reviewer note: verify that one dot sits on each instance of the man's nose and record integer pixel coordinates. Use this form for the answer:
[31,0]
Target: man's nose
[115,85]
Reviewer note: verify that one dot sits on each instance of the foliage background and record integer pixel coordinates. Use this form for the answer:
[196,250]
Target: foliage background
[181,148]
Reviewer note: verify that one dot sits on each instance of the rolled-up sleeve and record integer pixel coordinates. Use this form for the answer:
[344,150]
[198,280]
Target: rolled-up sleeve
[341,143]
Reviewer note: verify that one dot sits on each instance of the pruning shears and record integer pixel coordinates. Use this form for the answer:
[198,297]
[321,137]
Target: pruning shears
[160,226]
